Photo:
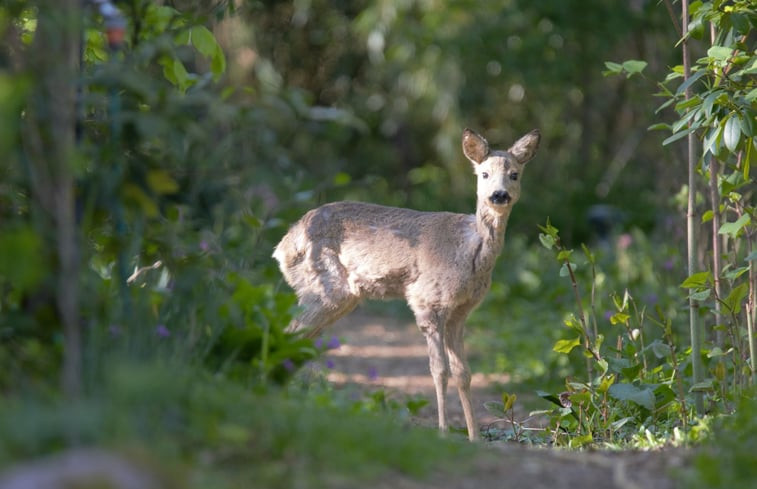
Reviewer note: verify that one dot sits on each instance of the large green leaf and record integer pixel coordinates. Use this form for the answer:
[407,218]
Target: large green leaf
[629,392]
[733,228]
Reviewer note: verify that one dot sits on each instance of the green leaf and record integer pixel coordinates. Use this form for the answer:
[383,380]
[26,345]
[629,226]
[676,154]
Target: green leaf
[719,53]
[509,400]
[709,101]
[616,425]
[661,350]
[547,241]
[701,295]
[690,81]
[579,441]
[707,216]
[203,40]
[629,392]
[566,346]
[704,386]
[661,126]
[619,318]
[161,182]
[573,324]
[732,132]
[737,294]
[564,272]
[633,66]
[605,383]
[700,279]
[612,68]
[564,255]
[679,135]
[733,228]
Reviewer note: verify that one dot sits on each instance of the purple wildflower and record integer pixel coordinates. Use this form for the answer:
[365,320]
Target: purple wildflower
[333,343]
[288,365]
[204,246]
[318,343]
[330,363]
[372,374]
[668,265]
[608,315]
[162,331]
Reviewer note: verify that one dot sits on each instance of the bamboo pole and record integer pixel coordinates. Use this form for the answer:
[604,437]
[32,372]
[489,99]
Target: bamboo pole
[691,223]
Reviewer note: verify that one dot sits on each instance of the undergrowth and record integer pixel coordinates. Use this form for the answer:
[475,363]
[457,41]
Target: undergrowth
[211,432]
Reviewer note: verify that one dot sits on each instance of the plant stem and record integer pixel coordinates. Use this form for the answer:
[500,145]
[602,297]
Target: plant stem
[696,340]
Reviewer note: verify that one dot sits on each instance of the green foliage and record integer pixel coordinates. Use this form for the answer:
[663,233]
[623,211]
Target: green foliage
[219,434]
[727,461]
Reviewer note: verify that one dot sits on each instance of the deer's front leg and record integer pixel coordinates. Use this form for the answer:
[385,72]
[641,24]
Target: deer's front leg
[460,370]
[432,328]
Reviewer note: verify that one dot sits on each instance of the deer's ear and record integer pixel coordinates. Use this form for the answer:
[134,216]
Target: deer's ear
[525,148]
[475,147]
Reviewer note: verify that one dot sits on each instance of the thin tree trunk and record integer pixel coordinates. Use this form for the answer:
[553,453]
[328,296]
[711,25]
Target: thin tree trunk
[49,143]
[691,223]
[717,259]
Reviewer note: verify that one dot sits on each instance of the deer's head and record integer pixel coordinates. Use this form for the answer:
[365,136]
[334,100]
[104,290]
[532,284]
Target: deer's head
[499,172]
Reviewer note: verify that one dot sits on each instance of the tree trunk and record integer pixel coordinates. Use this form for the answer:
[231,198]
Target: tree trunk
[49,145]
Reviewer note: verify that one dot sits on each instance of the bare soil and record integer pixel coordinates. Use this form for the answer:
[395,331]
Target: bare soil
[378,352]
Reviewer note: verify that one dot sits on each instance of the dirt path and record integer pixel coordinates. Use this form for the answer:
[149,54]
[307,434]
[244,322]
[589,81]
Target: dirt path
[390,354]
[377,352]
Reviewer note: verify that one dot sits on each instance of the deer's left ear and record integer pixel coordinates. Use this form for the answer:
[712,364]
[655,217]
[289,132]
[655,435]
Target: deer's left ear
[525,148]
[475,147]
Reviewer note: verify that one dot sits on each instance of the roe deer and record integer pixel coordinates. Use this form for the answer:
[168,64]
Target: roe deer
[440,262]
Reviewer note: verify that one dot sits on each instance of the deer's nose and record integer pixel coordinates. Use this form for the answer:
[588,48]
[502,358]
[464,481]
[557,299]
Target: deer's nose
[500,197]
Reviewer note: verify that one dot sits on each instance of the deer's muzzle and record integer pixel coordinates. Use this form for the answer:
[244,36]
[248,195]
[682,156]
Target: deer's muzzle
[500,197]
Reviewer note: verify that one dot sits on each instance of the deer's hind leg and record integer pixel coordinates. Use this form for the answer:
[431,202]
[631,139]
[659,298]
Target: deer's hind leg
[317,314]
[324,293]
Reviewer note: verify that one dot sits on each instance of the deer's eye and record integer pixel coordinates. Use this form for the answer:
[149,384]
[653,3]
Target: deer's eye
[484,175]
[514,176]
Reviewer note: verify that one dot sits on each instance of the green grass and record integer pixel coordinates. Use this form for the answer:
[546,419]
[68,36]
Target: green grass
[217,434]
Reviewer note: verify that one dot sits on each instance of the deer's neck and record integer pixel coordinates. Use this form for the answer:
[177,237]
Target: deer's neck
[490,226]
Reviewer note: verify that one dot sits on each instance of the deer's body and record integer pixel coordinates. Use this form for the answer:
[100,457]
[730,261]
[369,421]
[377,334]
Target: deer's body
[439,262]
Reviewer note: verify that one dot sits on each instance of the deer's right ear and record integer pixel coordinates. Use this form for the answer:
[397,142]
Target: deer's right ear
[475,147]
